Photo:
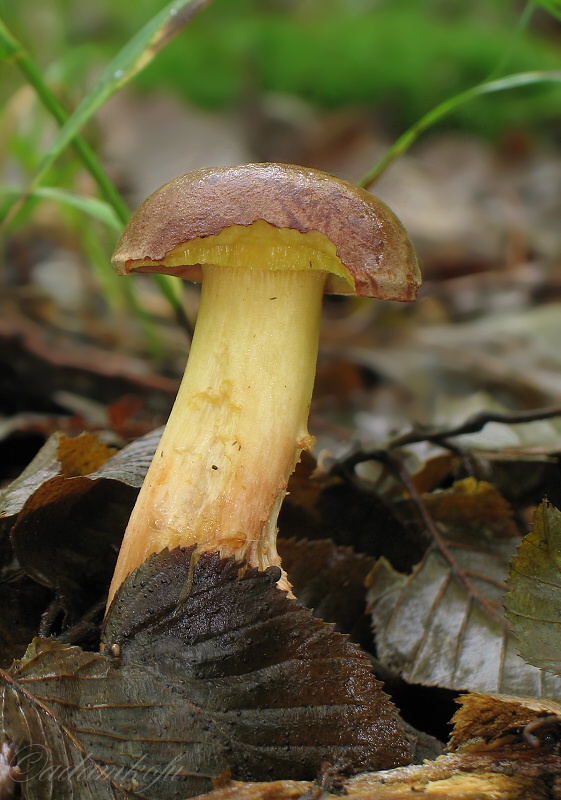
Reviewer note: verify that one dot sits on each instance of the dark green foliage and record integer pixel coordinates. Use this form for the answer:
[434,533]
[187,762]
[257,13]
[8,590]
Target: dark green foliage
[533,601]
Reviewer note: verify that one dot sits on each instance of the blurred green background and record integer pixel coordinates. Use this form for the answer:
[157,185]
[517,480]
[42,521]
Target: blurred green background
[329,83]
[397,57]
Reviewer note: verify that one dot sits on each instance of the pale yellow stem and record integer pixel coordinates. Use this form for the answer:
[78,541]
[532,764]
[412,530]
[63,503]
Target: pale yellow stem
[239,422]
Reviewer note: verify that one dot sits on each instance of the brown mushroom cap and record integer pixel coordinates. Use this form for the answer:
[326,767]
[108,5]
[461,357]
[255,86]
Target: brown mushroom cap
[369,239]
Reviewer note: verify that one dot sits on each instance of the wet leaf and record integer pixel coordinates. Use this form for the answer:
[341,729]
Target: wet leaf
[430,629]
[203,671]
[533,601]
[328,579]
[282,658]
[67,535]
[82,727]
[477,773]
[492,757]
[69,508]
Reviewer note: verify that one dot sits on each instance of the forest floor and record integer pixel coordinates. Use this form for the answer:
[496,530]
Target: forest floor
[395,464]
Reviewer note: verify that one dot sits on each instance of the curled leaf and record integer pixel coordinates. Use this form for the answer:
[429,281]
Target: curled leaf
[60,456]
[67,534]
[67,511]
[79,456]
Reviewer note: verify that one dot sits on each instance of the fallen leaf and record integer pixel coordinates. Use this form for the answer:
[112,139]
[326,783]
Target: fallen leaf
[430,629]
[67,535]
[434,470]
[64,533]
[366,521]
[474,504]
[328,579]
[491,775]
[60,456]
[79,456]
[22,602]
[67,512]
[129,465]
[202,672]
[491,758]
[533,601]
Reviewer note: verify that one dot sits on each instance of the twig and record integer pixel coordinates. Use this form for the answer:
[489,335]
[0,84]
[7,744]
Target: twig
[473,425]
[440,437]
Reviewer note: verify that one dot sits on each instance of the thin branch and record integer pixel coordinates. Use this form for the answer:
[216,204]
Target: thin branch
[439,436]
[474,424]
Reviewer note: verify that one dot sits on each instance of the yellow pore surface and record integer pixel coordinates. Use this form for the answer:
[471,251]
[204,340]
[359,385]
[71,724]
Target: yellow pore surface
[259,246]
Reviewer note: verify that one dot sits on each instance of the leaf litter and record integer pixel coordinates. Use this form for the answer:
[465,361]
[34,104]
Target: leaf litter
[416,615]
[227,675]
[479,489]
[430,611]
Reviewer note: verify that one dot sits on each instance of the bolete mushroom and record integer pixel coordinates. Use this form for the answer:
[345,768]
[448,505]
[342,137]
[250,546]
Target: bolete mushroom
[267,240]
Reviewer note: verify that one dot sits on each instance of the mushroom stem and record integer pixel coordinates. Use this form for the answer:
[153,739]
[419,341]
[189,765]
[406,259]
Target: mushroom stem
[239,422]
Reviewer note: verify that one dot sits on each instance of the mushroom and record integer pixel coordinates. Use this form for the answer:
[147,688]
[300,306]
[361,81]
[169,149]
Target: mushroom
[267,240]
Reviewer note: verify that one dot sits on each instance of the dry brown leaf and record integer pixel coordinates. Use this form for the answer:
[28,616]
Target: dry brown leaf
[434,471]
[470,502]
[61,455]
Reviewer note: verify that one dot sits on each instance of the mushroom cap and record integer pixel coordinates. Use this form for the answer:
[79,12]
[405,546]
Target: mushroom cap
[369,239]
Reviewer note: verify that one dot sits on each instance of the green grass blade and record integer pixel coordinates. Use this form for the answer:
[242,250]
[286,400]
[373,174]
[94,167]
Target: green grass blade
[15,51]
[8,45]
[552,6]
[405,141]
[515,39]
[92,206]
[134,56]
